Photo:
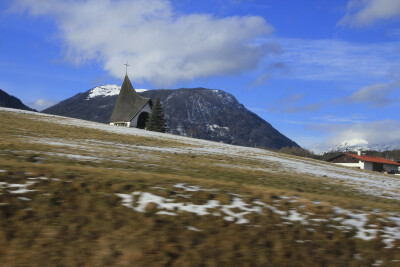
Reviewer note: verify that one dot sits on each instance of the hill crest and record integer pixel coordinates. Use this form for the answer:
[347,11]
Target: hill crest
[196,112]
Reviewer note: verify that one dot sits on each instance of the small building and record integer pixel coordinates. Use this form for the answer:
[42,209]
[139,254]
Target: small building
[366,162]
[131,109]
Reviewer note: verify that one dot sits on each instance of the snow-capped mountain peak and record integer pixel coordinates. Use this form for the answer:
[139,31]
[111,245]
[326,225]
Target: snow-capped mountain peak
[108,90]
[354,142]
[104,90]
[360,145]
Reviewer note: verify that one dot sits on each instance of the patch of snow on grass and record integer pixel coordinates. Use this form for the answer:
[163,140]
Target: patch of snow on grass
[238,209]
[239,204]
[390,234]
[166,205]
[295,216]
[166,213]
[22,188]
[191,188]
[18,189]
[366,234]
[39,178]
[183,195]
[200,209]
[126,200]
[191,228]
[24,198]
[72,156]
[272,208]
[377,263]
[359,223]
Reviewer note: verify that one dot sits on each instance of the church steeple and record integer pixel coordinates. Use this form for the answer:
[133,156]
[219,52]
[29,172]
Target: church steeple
[129,104]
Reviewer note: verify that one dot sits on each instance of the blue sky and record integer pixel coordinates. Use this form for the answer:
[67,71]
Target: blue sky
[319,71]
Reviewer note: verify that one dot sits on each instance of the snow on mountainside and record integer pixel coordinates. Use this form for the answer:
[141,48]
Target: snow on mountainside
[361,145]
[107,90]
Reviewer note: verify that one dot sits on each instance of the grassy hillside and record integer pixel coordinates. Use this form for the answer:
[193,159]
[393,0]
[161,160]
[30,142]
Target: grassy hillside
[77,193]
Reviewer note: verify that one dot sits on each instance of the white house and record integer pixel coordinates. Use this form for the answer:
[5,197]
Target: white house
[366,162]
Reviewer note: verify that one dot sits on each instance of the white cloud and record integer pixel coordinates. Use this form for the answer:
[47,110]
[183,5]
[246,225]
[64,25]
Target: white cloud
[261,79]
[273,69]
[162,47]
[290,104]
[41,104]
[377,95]
[366,12]
[377,132]
[327,60]
[331,119]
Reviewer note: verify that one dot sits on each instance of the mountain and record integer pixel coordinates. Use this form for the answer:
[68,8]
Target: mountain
[9,101]
[198,112]
[361,145]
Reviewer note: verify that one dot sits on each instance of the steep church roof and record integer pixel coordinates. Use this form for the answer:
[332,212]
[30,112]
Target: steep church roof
[128,104]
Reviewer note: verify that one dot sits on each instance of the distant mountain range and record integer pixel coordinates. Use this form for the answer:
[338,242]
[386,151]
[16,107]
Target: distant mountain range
[361,145]
[9,101]
[198,112]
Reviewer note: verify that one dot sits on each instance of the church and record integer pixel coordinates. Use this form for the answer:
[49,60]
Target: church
[130,110]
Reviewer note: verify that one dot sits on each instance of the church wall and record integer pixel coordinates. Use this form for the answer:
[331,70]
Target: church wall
[146,108]
[123,124]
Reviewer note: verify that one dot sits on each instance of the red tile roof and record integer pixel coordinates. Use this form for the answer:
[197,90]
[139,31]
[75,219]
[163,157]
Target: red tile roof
[373,159]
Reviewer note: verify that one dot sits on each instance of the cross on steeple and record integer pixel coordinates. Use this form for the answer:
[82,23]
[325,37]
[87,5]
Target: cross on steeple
[126,67]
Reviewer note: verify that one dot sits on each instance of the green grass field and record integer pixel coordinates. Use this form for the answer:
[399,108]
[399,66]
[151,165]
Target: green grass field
[76,193]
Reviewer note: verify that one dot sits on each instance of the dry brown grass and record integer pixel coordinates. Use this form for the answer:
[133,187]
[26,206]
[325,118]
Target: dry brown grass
[79,221]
